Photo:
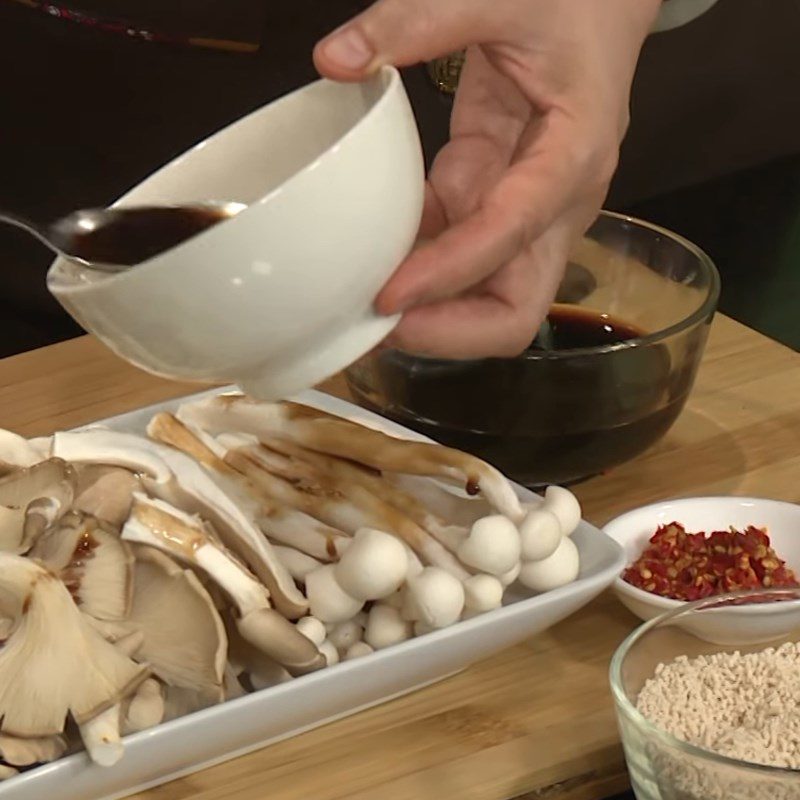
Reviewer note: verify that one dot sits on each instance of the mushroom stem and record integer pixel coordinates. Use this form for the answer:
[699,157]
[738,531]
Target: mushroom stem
[101,735]
[146,708]
[325,433]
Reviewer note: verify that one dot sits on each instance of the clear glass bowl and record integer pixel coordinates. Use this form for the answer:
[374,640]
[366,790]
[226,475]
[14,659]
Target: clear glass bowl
[662,767]
[560,416]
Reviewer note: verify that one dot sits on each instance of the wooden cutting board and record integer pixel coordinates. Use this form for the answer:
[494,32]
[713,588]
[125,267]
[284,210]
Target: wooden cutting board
[537,720]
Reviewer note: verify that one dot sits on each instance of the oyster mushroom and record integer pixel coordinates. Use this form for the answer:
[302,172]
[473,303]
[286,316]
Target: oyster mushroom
[26,752]
[43,491]
[7,772]
[176,478]
[92,562]
[105,492]
[16,451]
[157,524]
[332,435]
[183,638]
[102,736]
[145,709]
[54,663]
[12,522]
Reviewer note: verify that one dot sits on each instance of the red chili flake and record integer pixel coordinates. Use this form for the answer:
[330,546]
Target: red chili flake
[693,566]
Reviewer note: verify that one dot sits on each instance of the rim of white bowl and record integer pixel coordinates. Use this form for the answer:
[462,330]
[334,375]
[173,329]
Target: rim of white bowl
[668,603]
[622,701]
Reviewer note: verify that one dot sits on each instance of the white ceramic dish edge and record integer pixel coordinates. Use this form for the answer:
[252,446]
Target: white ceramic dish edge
[223,732]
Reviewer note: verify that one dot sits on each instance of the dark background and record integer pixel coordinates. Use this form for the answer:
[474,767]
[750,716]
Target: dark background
[86,114]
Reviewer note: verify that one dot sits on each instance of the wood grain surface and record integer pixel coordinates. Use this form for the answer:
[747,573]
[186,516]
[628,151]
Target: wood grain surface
[537,720]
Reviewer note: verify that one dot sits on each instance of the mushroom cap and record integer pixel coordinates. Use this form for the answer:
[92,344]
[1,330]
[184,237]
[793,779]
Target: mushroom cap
[559,569]
[54,662]
[374,566]
[312,629]
[437,598]
[7,772]
[483,593]
[94,565]
[105,492]
[507,578]
[326,598]
[540,533]
[493,545]
[184,642]
[565,506]
[329,653]
[385,627]
[345,634]
[358,650]
[26,752]
[278,638]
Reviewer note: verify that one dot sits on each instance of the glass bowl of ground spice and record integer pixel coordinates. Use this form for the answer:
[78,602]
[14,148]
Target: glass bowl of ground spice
[701,721]
[679,551]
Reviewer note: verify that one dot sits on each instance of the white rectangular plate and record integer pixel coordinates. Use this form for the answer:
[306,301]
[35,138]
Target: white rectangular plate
[222,732]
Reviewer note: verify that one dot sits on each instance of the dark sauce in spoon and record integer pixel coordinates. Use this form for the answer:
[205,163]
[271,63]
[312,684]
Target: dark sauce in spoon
[130,238]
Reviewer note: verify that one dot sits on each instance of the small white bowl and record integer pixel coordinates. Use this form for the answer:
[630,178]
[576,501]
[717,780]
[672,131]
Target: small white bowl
[280,296]
[739,625]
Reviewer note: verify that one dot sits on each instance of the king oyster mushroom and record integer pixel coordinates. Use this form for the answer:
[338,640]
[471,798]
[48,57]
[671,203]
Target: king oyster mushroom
[54,664]
[332,435]
[184,640]
[178,479]
[92,562]
[157,524]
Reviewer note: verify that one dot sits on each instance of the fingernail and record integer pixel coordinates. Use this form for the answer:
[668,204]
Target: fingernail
[349,48]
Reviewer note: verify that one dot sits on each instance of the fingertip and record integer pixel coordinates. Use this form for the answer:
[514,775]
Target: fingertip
[346,55]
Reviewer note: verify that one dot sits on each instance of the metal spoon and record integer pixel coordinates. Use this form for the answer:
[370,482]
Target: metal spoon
[114,239]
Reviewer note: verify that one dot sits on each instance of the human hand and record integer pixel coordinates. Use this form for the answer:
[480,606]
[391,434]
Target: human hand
[540,112]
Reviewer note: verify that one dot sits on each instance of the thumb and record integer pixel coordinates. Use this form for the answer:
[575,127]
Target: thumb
[402,33]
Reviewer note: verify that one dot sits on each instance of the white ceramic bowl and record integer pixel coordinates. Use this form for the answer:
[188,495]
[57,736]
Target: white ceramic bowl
[737,625]
[280,296]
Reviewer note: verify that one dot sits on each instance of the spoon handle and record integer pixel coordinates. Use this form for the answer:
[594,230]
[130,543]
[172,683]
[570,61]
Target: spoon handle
[26,225]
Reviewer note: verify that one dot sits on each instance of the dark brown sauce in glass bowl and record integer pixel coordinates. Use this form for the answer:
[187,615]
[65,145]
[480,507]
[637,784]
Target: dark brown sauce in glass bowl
[555,415]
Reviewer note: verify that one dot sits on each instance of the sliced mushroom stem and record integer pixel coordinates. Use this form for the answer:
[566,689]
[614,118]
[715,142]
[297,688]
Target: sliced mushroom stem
[101,735]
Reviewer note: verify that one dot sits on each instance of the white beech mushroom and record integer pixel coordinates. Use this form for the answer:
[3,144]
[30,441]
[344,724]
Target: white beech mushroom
[447,534]
[434,597]
[385,627]
[358,650]
[330,653]
[157,524]
[327,600]
[27,752]
[540,533]
[93,564]
[298,564]
[347,506]
[184,640]
[281,523]
[54,663]
[447,502]
[344,635]
[564,506]
[507,578]
[332,435]
[483,593]
[559,569]
[373,567]
[173,476]
[493,545]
